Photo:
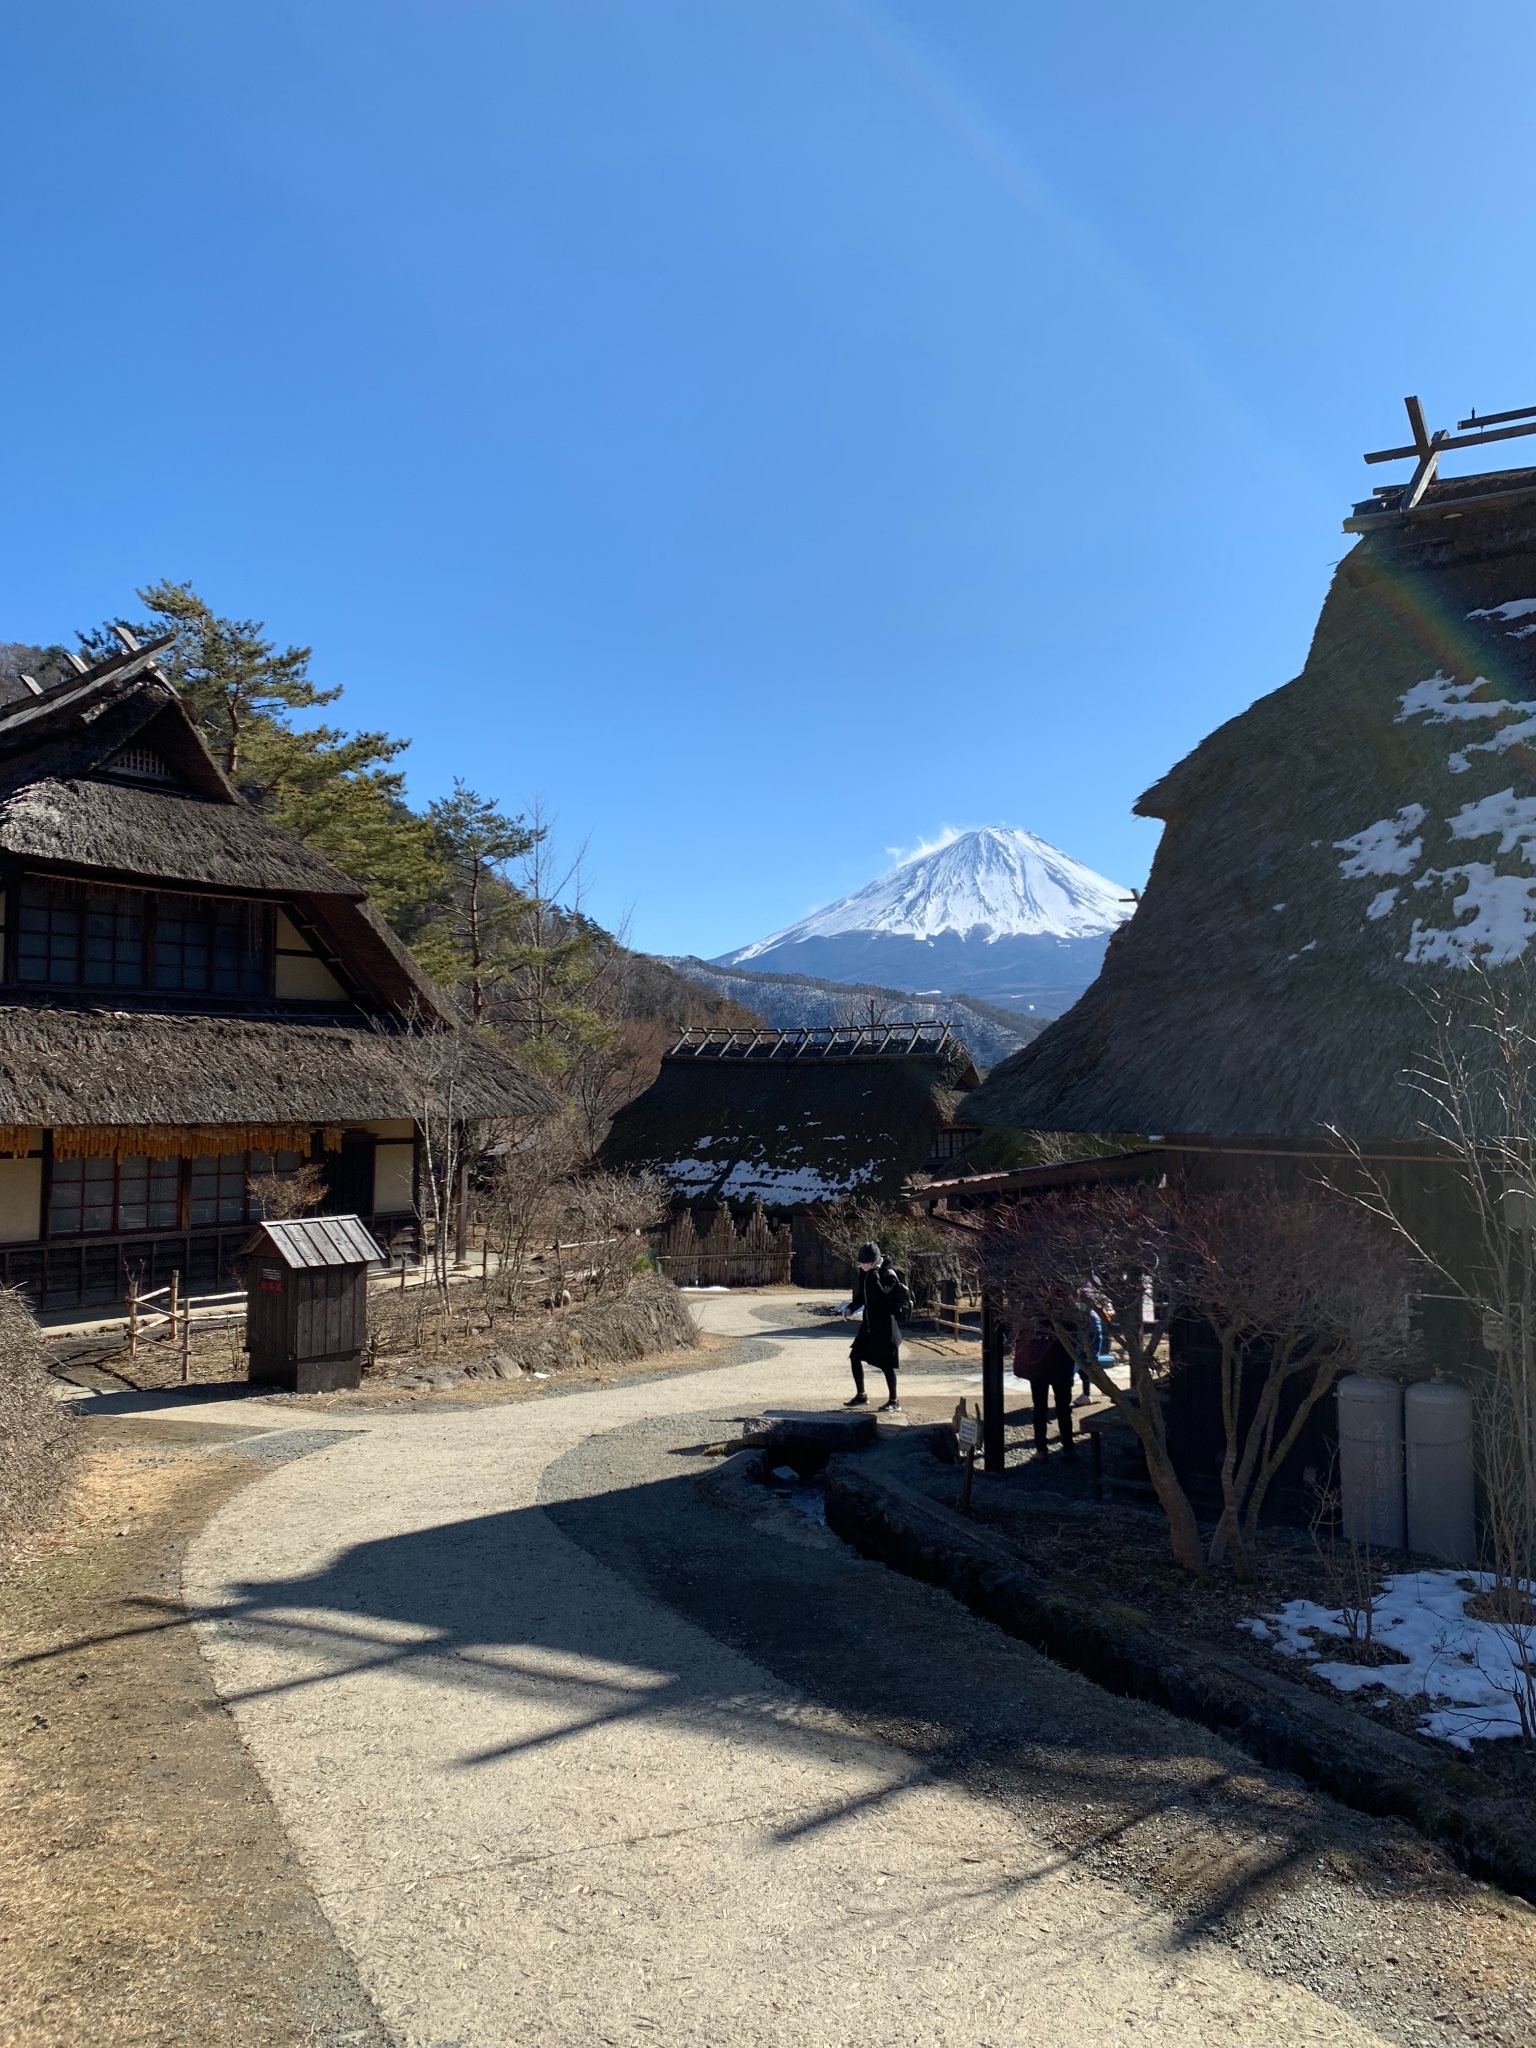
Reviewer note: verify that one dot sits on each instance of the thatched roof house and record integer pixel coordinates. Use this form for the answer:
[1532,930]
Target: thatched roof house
[191,999]
[1344,848]
[790,1118]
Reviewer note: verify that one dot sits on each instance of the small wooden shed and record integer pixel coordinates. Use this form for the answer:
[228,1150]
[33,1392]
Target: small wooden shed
[306,1315]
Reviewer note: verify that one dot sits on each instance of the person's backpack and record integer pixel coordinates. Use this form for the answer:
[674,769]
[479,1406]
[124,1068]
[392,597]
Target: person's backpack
[901,1301]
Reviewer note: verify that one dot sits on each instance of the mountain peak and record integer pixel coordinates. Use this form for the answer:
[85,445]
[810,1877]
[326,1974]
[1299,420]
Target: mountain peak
[994,883]
[996,913]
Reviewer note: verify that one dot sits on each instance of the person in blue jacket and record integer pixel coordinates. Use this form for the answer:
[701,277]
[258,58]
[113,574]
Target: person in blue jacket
[1094,1340]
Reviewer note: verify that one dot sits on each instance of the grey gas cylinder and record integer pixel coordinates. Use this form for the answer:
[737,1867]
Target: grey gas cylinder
[1437,1436]
[1371,1460]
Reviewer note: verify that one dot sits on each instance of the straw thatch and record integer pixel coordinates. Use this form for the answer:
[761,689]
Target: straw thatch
[68,799]
[791,1131]
[1333,856]
[151,1075]
[161,835]
[65,1066]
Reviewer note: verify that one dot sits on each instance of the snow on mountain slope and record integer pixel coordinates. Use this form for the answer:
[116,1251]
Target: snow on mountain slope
[991,884]
[997,913]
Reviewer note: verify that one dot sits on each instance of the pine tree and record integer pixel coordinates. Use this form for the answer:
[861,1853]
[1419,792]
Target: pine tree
[335,790]
[474,940]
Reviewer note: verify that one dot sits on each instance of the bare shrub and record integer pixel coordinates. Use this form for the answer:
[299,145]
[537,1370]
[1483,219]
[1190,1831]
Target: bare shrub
[1296,1288]
[527,1182]
[1478,1086]
[1056,1257]
[915,1244]
[614,1211]
[35,1432]
[282,1195]
[1349,1573]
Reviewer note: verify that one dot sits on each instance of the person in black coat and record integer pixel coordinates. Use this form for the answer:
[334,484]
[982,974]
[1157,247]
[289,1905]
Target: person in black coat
[879,1296]
[1041,1358]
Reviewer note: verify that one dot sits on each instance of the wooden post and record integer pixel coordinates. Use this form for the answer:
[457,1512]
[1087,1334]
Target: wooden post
[175,1296]
[994,1340]
[186,1342]
[461,1219]
[133,1315]
[967,1429]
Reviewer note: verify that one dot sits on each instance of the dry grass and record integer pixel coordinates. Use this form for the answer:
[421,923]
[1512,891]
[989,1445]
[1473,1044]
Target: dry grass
[36,1434]
[148,1895]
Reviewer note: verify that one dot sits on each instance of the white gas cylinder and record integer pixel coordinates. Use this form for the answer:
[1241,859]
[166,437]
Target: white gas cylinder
[1371,1460]
[1437,1436]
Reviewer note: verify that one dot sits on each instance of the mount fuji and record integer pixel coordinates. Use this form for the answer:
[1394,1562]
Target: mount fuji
[996,913]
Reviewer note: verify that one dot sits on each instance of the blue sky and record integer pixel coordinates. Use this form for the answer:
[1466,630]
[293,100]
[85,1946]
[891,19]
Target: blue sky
[770,433]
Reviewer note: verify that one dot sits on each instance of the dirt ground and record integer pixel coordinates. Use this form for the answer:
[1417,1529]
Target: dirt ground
[147,1894]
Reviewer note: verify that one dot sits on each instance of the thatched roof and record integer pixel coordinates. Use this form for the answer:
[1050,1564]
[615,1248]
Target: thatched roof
[77,727]
[77,1065]
[161,835]
[784,1117]
[71,799]
[1333,857]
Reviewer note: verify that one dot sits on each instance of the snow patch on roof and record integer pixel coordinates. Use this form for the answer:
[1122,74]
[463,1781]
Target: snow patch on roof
[1442,700]
[1500,913]
[1512,817]
[1385,847]
[783,1185]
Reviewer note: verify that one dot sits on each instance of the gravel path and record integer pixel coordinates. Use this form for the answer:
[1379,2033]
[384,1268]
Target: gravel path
[576,1750]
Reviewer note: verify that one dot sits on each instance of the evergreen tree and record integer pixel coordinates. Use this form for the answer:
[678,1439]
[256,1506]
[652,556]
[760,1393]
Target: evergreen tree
[473,941]
[335,790]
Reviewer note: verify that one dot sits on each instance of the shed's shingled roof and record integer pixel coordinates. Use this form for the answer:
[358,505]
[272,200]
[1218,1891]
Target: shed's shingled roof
[1332,858]
[303,1242]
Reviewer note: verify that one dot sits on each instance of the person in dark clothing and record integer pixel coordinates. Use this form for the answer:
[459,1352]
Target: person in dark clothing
[1040,1357]
[879,1297]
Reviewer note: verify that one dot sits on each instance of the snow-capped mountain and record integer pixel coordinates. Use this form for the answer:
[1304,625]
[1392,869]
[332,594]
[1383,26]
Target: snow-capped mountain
[997,913]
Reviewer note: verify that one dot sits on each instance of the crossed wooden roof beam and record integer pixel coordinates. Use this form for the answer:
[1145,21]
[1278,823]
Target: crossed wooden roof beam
[1427,448]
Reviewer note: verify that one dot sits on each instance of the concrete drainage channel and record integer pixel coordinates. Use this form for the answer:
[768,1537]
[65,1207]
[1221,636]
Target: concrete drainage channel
[842,1484]
[780,1462]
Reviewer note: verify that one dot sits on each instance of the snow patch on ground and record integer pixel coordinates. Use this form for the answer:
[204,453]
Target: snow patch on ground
[1469,1671]
[1516,608]
[1381,903]
[1384,848]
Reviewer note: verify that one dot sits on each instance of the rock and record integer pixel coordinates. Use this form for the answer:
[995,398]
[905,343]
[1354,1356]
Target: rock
[835,1430]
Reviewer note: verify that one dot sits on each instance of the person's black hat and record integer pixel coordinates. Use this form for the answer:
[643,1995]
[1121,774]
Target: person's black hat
[869,1255]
